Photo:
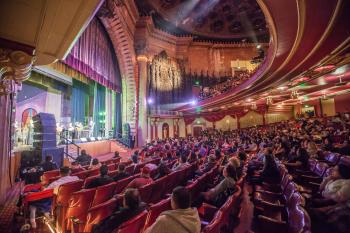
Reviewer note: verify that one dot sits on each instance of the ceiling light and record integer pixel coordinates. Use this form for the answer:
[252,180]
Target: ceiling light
[249,100]
[281,88]
[258,46]
[322,68]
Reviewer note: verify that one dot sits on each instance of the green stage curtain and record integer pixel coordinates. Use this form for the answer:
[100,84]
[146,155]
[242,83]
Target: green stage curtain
[99,113]
[80,102]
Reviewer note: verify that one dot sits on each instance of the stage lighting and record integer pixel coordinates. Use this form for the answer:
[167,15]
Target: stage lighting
[150,101]
[193,102]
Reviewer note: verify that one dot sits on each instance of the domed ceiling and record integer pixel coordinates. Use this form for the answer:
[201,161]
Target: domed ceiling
[223,20]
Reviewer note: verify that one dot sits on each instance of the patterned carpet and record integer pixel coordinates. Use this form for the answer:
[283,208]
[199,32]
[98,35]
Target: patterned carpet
[9,208]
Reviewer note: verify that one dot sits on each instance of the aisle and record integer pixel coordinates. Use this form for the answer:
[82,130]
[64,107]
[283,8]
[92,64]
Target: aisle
[246,218]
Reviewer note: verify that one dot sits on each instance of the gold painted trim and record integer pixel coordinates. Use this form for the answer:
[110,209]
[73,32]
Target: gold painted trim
[320,42]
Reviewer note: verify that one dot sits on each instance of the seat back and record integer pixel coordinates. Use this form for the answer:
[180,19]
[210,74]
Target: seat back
[155,210]
[49,174]
[130,169]
[82,175]
[312,164]
[285,181]
[320,168]
[345,160]
[289,190]
[298,220]
[78,206]
[99,212]
[215,225]
[333,158]
[88,180]
[111,167]
[146,192]
[65,191]
[158,189]
[94,172]
[104,193]
[231,204]
[135,224]
[138,167]
[60,201]
[121,184]
[113,173]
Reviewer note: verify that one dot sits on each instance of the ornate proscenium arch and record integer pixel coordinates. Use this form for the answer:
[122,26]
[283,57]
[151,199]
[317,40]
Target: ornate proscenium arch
[119,21]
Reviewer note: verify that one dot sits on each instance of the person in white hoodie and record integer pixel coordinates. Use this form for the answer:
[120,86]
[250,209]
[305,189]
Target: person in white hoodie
[181,219]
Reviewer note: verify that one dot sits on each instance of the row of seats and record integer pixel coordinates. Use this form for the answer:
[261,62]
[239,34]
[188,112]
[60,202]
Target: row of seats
[86,214]
[279,206]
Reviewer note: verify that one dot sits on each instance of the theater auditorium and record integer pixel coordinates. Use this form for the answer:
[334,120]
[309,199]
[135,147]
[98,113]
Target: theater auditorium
[174,116]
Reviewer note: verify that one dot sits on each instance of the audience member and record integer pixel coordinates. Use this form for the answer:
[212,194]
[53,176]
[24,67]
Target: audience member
[48,165]
[102,180]
[181,219]
[132,206]
[121,173]
[142,180]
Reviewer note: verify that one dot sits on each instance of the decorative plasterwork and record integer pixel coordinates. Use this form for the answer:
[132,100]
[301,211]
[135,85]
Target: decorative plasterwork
[15,67]
[119,23]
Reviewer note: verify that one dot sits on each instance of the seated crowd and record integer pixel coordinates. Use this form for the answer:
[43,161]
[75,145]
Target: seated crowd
[259,153]
[220,88]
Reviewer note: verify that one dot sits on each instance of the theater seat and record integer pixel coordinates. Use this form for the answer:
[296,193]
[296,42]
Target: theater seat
[99,212]
[88,180]
[134,225]
[104,193]
[45,179]
[121,184]
[146,192]
[317,175]
[158,189]
[270,201]
[94,172]
[155,210]
[60,201]
[78,206]
[297,220]
[231,207]
[345,160]
[82,175]
[332,159]
[215,225]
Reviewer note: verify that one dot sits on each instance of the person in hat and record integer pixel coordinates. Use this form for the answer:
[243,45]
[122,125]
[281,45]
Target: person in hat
[142,180]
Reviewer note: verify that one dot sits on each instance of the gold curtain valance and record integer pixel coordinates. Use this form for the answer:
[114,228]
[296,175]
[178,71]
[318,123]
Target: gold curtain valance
[63,68]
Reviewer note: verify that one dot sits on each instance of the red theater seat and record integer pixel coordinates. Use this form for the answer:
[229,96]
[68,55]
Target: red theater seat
[155,210]
[78,206]
[345,160]
[215,225]
[60,201]
[146,192]
[89,179]
[94,172]
[104,193]
[158,189]
[82,175]
[134,225]
[121,184]
[99,212]
[45,179]
[130,169]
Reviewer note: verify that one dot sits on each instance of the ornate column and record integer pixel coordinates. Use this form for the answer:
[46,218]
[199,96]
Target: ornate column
[238,123]
[15,67]
[142,100]
[156,128]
